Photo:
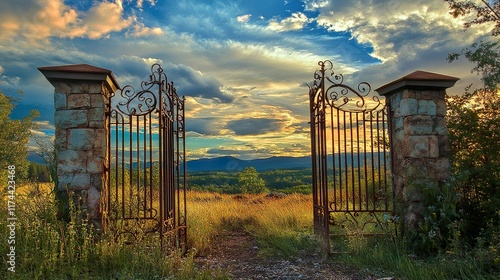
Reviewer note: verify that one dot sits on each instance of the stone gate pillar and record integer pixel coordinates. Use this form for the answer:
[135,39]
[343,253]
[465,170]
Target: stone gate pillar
[419,135]
[81,95]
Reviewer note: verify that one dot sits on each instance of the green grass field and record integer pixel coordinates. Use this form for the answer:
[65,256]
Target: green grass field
[48,249]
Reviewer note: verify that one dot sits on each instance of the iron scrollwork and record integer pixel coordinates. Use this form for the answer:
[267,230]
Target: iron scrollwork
[144,101]
[146,188]
[336,94]
[351,190]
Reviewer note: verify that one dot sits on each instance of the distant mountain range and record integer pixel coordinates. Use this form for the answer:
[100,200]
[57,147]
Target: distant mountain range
[232,164]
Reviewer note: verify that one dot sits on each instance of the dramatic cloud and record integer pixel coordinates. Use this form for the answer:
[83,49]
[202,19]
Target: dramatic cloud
[190,82]
[241,65]
[43,19]
[244,18]
[254,126]
[296,22]
[404,35]
[205,126]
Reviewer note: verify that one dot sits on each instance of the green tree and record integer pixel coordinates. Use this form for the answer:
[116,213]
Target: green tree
[14,137]
[474,126]
[249,181]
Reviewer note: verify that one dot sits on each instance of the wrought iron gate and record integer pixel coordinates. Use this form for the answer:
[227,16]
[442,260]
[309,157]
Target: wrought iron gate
[145,196]
[352,193]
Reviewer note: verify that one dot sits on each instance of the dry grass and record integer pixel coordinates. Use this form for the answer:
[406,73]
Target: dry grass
[271,220]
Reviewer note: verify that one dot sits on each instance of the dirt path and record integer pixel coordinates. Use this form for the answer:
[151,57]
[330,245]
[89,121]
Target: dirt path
[237,253]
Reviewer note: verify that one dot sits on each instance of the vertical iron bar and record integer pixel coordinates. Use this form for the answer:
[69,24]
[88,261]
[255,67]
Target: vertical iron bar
[130,166]
[334,166]
[324,165]
[160,154]
[372,160]
[345,164]
[384,130]
[352,163]
[117,168]
[379,166]
[151,165]
[108,155]
[184,176]
[312,119]
[339,153]
[122,187]
[358,170]
[146,165]
[391,152]
[177,162]
[365,165]
[138,176]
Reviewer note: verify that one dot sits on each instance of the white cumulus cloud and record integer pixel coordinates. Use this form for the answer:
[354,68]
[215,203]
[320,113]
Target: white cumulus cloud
[296,22]
[244,18]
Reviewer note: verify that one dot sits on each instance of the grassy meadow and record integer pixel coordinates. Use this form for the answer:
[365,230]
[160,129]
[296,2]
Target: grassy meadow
[48,249]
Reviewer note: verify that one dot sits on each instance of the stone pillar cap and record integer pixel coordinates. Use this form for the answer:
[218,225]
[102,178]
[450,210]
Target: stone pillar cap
[80,72]
[418,80]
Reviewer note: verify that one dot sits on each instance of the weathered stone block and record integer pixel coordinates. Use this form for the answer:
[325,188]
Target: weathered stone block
[81,139]
[96,114]
[78,101]
[433,147]
[59,101]
[444,145]
[408,107]
[84,88]
[427,107]
[97,124]
[440,168]
[395,101]
[413,214]
[70,119]
[441,108]
[422,106]
[61,141]
[78,181]
[93,202]
[418,125]
[400,135]
[97,180]
[408,93]
[97,101]
[412,192]
[70,161]
[421,147]
[100,137]
[62,87]
[398,123]
[96,87]
[440,126]
[429,94]
[95,165]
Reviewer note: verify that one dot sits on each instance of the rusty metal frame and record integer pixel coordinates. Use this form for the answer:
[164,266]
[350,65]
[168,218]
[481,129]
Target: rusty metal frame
[146,174]
[352,190]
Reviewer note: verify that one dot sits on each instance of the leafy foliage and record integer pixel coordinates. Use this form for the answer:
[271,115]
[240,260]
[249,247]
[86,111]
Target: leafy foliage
[474,129]
[486,56]
[280,180]
[474,126]
[39,172]
[14,136]
[249,181]
[484,13]
[440,217]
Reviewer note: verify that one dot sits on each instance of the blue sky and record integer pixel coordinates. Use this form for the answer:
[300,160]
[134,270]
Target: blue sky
[240,64]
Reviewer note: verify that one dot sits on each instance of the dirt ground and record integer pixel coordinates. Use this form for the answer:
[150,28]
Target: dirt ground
[237,253]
